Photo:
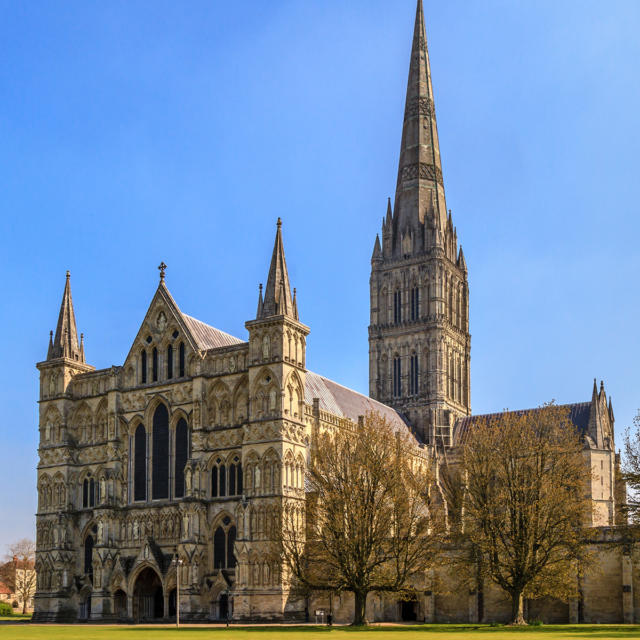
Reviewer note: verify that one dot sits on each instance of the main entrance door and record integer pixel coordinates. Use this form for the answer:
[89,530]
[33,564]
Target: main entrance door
[408,610]
[148,601]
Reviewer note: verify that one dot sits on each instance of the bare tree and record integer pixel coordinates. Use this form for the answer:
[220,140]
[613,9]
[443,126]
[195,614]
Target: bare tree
[631,470]
[368,522]
[526,503]
[18,572]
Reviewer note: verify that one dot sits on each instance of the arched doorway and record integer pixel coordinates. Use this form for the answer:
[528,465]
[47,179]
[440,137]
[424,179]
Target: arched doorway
[120,604]
[172,603]
[148,601]
[223,606]
[84,612]
[408,610]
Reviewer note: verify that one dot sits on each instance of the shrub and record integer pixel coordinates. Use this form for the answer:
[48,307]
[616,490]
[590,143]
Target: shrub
[5,609]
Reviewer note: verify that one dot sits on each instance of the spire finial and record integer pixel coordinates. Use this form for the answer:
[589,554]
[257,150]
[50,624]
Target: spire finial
[277,292]
[65,342]
[419,167]
[162,267]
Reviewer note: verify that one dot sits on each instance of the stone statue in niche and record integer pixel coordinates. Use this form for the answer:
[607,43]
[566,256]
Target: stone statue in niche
[161,321]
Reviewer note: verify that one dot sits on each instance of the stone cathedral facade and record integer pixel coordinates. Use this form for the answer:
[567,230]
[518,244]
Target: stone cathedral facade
[186,450]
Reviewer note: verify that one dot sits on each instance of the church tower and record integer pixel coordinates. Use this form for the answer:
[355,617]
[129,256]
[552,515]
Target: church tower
[419,341]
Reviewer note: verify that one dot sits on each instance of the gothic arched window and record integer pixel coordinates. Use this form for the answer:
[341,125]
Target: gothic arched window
[415,303]
[235,477]
[88,557]
[143,366]
[182,454]
[140,464]
[219,549]
[397,306]
[223,481]
[397,377]
[414,373]
[154,364]
[181,360]
[88,493]
[160,475]
[214,482]
[170,362]
[224,540]
[231,540]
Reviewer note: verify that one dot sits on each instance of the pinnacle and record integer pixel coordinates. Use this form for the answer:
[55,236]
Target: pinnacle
[277,294]
[65,343]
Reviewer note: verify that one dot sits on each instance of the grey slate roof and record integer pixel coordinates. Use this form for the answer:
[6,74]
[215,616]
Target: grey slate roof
[579,413]
[348,403]
[334,398]
[208,337]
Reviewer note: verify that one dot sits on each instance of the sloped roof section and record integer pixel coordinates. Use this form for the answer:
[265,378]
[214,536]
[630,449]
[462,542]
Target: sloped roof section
[579,413]
[208,337]
[348,403]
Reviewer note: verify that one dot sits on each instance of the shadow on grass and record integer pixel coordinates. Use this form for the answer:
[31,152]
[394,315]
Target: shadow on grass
[567,631]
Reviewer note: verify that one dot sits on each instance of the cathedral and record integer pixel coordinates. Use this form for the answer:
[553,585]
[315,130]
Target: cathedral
[167,471]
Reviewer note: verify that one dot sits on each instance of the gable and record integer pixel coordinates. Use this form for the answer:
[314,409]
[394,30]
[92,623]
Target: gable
[164,324]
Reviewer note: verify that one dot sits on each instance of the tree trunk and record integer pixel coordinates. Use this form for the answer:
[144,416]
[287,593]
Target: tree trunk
[517,608]
[359,609]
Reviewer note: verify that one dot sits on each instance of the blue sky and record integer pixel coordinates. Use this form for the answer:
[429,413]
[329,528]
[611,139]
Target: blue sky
[135,132]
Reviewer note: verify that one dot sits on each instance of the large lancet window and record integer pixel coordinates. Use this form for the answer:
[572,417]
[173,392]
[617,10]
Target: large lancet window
[143,366]
[415,303]
[222,482]
[88,493]
[88,557]
[235,477]
[181,360]
[414,373]
[140,464]
[160,476]
[224,540]
[226,480]
[397,306]
[182,454]
[154,364]
[397,377]
[169,362]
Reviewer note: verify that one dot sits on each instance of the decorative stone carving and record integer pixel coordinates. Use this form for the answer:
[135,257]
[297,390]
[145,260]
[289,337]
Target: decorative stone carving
[421,170]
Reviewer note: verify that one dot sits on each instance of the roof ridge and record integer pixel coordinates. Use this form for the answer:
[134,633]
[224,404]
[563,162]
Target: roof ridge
[352,390]
[497,413]
[210,326]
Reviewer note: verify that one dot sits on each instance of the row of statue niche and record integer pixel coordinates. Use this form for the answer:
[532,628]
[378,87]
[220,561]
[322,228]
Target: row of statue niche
[162,526]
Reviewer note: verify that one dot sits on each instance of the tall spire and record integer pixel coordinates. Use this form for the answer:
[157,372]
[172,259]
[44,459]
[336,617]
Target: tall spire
[65,343]
[420,180]
[277,293]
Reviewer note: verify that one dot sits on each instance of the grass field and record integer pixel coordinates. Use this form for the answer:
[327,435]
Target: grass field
[25,631]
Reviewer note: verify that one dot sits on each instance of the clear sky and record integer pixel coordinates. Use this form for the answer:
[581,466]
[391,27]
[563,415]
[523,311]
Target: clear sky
[135,132]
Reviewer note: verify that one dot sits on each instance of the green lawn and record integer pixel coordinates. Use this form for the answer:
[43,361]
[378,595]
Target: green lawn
[25,631]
